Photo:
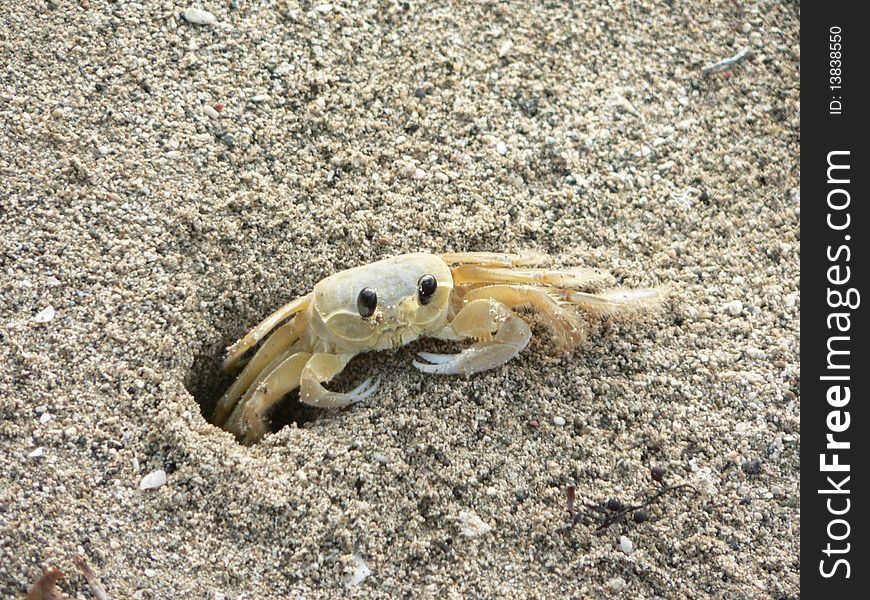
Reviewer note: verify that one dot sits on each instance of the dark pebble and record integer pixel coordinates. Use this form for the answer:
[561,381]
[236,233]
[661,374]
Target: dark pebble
[531,107]
[657,473]
[229,141]
[640,516]
[420,92]
[752,467]
[522,495]
[614,504]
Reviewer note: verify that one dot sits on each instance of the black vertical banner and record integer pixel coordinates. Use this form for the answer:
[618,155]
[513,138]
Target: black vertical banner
[835,226]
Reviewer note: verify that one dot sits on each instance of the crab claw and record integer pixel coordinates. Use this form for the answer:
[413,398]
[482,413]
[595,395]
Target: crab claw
[471,360]
[512,335]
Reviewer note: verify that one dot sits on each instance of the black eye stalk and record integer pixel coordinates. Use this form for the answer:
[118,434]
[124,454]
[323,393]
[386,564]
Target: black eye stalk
[426,287]
[367,302]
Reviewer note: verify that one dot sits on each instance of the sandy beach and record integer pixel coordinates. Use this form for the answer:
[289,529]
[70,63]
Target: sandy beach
[168,178]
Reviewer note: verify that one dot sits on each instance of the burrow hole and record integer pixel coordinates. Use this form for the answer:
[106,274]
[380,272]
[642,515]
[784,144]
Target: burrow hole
[206,382]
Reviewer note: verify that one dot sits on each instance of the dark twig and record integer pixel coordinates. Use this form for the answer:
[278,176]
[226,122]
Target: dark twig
[612,517]
[571,493]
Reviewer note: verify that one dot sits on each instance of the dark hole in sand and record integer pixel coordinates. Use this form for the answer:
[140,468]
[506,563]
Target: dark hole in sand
[207,382]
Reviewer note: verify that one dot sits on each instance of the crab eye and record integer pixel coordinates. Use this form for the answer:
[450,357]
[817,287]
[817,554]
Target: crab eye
[426,287]
[367,302]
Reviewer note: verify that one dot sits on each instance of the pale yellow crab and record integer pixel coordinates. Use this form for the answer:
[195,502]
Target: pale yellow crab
[393,302]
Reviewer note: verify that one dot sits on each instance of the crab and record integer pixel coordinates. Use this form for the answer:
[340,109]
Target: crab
[391,303]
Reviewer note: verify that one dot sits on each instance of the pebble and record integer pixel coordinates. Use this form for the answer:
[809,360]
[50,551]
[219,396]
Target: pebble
[150,572]
[626,545]
[472,525]
[38,453]
[323,8]
[617,584]
[752,467]
[70,432]
[45,418]
[45,315]
[153,480]
[210,112]
[197,16]
[734,308]
[505,48]
[560,421]
[360,571]
[501,148]
[380,458]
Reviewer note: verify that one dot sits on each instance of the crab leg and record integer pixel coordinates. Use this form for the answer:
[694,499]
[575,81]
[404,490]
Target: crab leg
[248,418]
[566,329]
[503,335]
[615,303]
[565,278]
[321,368]
[282,339]
[495,259]
[235,352]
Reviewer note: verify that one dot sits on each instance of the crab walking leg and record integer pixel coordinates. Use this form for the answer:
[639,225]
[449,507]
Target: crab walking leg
[565,278]
[494,259]
[248,420]
[235,352]
[566,329]
[282,339]
[321,368]
[618,302]
[480,319]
